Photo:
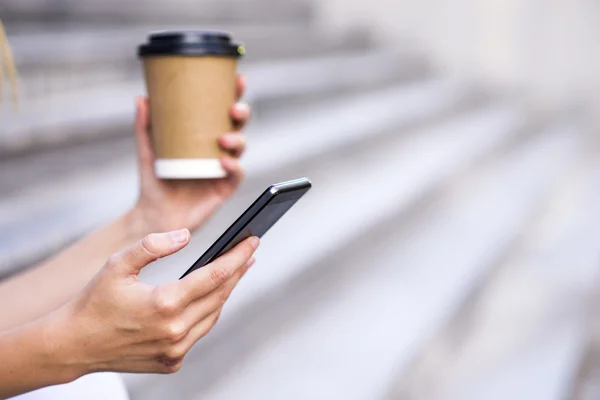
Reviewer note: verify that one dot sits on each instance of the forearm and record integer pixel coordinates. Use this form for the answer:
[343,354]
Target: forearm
[48,286]
[31,358]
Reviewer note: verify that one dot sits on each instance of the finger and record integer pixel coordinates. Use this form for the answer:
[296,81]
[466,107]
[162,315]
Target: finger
[234,143]
[175,353]
[142,135]
[240,113]
[203,307]
[200,317]
[204,280]
[235,172]
[166,365]
[149,249]
[240,86]
[204,321]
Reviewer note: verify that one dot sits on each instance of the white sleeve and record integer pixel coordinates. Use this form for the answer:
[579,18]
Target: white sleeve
[99,386]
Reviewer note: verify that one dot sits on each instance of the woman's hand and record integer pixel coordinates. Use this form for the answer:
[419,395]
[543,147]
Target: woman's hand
[165,205]
[121,324]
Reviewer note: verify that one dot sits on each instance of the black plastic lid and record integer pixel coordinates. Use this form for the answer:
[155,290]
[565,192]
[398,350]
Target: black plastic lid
[191,43]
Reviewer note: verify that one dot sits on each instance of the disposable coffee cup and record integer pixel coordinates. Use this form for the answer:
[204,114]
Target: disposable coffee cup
[190,77]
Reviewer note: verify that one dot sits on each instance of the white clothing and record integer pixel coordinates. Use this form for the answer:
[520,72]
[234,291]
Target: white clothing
[99,386]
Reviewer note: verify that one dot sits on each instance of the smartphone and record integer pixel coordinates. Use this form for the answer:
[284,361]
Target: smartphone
[257,219]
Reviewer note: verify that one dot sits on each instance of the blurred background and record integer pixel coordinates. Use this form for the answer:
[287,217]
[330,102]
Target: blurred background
[450,247]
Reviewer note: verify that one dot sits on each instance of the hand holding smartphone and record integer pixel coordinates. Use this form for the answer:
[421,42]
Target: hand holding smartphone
[270,206]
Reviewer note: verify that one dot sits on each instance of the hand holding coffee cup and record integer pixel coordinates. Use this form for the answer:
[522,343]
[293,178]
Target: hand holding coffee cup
[191,82]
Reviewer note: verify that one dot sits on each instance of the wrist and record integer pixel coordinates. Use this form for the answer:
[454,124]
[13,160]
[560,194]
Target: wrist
[137,223]
[28,360]
[37,355]
[59,346]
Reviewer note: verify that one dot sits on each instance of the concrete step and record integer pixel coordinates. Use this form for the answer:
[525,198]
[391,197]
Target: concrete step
[64,201]
[523,335]
[105,110]
[345,207]
[297,82]
[51,12]
[84,56]
[419,101]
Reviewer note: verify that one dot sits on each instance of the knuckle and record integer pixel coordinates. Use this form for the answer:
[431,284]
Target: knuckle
[223,296]
[166,303]
[113,260]
[149,244]
[219,275]
[175,331]
[175,353]
[173,368]
[168,365]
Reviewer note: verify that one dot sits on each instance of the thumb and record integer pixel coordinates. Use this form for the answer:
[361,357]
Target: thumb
[149,249]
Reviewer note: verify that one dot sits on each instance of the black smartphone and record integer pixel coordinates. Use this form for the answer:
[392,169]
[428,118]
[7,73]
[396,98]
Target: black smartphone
[257,219]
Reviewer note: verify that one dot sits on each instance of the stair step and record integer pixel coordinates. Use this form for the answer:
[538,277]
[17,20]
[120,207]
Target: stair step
[418,101]
[174,11]
[393,175]
[541,292]
[106,110]
[92,55]
[41,210]
[543,370]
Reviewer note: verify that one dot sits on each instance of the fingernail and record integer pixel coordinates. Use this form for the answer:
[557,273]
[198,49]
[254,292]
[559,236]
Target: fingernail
[227,138]
[241,108]
[254,241]
[230,163]
[180,236]
[251,262]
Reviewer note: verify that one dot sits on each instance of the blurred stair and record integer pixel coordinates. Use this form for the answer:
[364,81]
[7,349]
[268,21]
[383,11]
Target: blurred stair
[523,334]
[113,12]
[78,78]
[99,111]
[81,57]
